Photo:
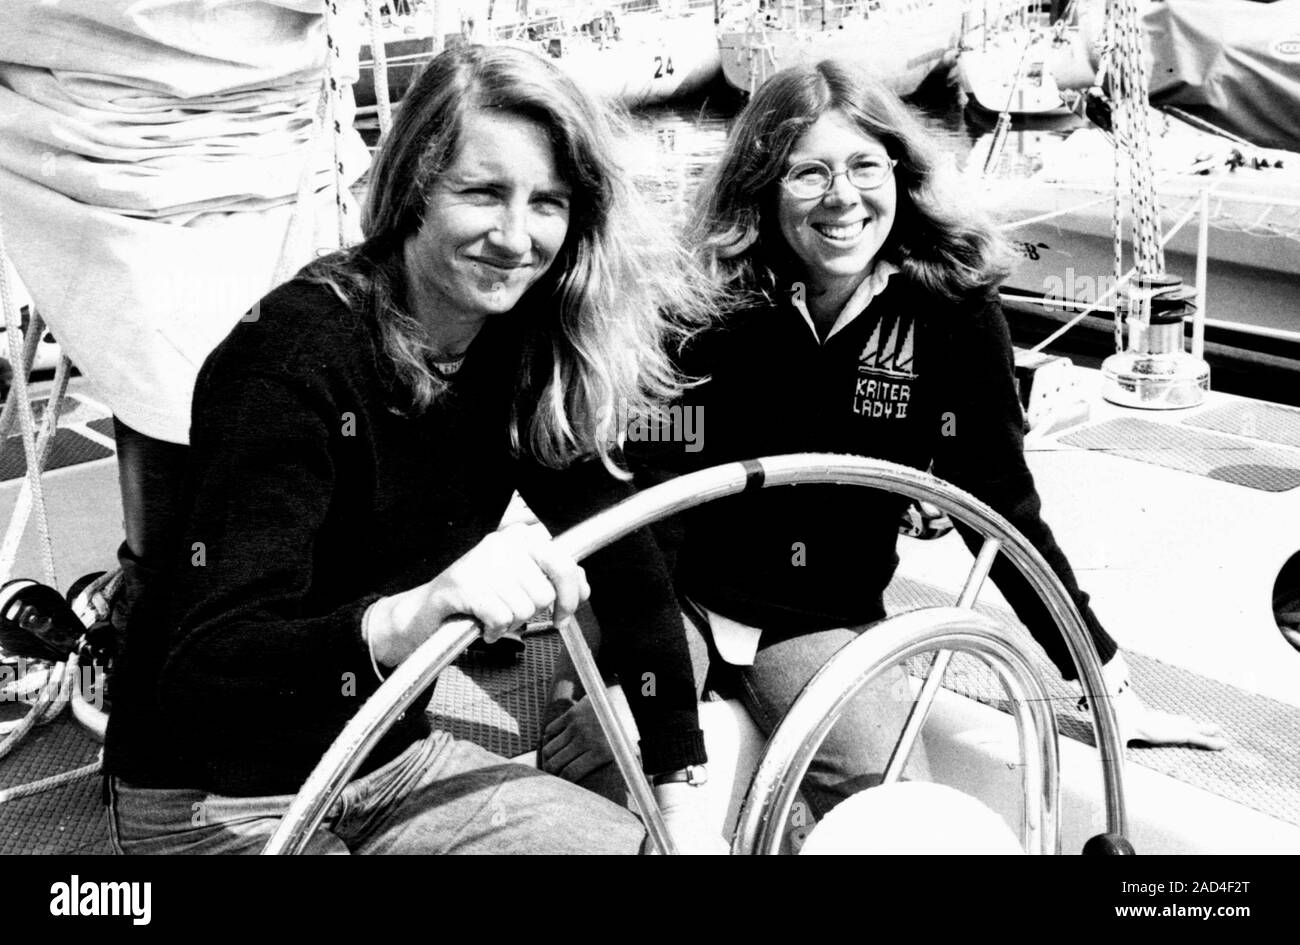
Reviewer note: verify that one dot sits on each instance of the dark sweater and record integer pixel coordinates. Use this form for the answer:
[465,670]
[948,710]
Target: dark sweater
[913,379]
[310,496]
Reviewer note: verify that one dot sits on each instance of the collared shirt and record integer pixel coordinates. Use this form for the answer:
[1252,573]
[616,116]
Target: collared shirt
[867,289]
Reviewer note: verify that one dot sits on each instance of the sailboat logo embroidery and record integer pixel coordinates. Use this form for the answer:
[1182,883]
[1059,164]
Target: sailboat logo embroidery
[883,386]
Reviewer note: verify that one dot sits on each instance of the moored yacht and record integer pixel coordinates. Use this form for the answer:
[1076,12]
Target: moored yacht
[635,53]
[900,41]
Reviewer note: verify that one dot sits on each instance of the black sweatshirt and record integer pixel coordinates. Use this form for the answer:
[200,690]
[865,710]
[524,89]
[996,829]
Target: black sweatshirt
[310,497]
[913,379]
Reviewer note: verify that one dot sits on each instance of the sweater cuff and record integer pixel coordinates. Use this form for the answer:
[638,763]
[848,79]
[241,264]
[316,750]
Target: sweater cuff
[673,751]
[1107,648]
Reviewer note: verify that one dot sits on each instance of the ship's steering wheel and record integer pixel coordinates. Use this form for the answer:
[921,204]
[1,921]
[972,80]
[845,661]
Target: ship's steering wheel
[793,744]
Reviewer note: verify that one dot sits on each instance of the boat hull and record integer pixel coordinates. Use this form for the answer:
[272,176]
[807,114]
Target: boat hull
[988,74]
[1253,278]
[660,60]
[1253,237]
[900,49]
[671,59]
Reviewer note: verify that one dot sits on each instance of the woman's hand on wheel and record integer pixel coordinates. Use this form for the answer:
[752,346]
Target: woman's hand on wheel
[501,582]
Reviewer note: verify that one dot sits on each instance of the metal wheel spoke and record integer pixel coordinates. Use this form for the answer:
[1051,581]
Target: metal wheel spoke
[624,754]
[920,709]
[979,571]
[916,717]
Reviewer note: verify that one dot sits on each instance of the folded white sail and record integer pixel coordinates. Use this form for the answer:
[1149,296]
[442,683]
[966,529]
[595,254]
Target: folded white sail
[150,154]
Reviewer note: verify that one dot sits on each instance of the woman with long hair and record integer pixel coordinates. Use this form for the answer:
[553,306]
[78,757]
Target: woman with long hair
[864,320]
[356,441]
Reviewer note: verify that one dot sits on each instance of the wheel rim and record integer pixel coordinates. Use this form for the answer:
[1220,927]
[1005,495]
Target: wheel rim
[418,671]
[760,826]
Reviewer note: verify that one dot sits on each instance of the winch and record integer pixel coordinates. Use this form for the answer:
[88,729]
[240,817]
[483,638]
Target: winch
[1155,371]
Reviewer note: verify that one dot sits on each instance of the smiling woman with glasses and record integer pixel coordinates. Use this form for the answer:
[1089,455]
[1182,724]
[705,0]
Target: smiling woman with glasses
[865,320]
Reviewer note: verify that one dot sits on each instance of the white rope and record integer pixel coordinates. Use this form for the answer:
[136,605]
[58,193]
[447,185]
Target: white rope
[9,414]
[30,494]
[50,783]
[26,683]
[19,390]
[1122,62]
[379,65]
[301,222]
[332,69]
[1133,148]
[54,695]
[1120,282]
[1129,80]
[1108,66]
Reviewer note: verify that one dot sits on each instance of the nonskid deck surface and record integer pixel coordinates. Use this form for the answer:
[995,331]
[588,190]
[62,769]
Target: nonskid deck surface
[71,445]
[1178,523]
[66,819]
[1260,769]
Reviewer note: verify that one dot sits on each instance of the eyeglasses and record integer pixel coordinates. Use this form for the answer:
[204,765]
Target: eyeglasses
[809,179]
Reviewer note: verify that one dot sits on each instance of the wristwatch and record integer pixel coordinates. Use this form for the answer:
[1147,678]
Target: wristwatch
[694,775]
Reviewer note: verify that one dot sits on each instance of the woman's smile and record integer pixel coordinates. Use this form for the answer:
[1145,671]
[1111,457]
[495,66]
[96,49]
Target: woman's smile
[494,222]
[843,233]
[837,235]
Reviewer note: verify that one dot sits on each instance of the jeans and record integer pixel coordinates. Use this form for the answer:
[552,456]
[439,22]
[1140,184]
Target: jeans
[441,795]
[855,752]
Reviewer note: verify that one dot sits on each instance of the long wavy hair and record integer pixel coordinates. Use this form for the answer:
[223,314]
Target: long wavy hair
[621,295]
[937,239]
